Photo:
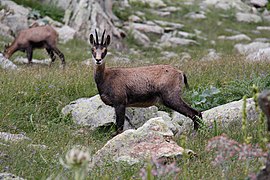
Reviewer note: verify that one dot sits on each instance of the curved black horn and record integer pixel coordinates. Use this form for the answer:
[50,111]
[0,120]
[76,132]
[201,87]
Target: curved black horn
[97,37]
[102,39]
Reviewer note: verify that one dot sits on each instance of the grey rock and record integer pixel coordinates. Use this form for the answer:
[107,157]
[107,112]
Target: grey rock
[168,55]
[259,3]
[226,4]
[186,34]
[134,18]
[224,115]
[266,18]
[66,33]
[211,56]
[171,9]
[248,17]
[146,28]
[239,37]
[264,28]
[6,63]
[34,61]
[260,55]
[16,18]
[13,137]
[246,49]
[183,123]
[184,57]
[153,139]
[94,113]
[140,37]
[151,3]
[9,176]
[169,24]
[231,113]
[5,31]
[175,41]
[38,146]
[17,9]
[196,15]
[160,13]
[262,40]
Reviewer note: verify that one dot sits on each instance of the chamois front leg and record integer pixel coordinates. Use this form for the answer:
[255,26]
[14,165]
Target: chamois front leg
[29,52]
[120,117]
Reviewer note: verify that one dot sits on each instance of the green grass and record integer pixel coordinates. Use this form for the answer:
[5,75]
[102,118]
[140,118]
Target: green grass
[31,101]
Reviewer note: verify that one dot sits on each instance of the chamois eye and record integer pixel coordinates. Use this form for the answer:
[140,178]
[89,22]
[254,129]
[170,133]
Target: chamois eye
[93,50]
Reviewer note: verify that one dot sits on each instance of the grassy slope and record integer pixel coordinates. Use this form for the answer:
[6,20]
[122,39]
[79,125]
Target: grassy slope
[31,101]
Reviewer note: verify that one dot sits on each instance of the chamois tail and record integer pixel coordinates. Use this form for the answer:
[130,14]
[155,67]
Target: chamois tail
[185,81]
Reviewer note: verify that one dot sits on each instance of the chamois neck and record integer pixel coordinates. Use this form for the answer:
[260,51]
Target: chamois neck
[99,72]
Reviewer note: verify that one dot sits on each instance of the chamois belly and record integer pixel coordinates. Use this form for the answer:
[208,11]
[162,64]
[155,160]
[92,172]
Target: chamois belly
[39,45]
[143,101]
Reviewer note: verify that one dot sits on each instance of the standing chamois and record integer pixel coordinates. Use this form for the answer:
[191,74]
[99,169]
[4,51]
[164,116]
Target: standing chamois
[138,87]
[35,37]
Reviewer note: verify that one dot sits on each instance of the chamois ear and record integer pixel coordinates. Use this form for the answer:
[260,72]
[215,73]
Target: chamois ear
[91,39]
[108,41]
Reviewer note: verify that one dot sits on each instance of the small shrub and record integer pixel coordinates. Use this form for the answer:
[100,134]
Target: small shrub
[227,149]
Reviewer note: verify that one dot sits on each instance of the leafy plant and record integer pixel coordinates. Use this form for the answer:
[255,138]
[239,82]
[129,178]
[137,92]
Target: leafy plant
[205,99]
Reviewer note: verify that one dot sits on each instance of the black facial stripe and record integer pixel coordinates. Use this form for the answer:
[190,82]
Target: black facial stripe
[104,54]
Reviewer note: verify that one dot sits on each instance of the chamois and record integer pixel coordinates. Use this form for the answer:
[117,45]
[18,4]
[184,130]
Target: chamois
[139,86]
[35,37]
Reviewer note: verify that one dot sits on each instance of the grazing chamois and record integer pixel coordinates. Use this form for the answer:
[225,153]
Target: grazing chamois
[139,86]
[35,37]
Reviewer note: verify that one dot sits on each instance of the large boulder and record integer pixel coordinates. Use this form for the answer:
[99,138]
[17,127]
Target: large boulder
[153,139]
[248,17]
[245,49]
[66,33]
[224,115]
[259,3]
[231,113]
[16,17]
[261,55]
[6,63]
[94,113]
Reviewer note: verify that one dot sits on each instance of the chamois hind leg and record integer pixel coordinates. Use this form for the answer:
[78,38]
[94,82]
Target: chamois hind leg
[51,54]
[60,54]
[29,53]
[120,117]
[175,102]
